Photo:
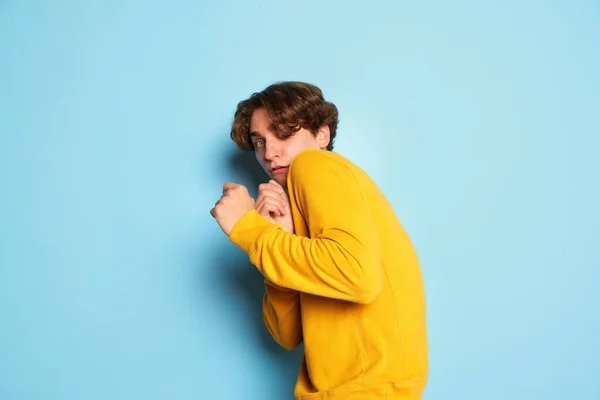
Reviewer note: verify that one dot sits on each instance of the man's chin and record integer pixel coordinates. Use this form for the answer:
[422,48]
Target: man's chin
[282,180]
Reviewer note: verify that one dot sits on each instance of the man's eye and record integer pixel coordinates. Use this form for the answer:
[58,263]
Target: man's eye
[259,143]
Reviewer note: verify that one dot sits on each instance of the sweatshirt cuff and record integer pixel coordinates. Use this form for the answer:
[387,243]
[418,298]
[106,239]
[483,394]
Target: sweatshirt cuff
[248,230]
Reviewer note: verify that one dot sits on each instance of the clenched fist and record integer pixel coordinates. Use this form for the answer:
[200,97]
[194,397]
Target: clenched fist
[232,206]
[274,204]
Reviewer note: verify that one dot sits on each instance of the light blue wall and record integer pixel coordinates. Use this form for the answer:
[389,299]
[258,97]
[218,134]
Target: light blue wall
[480,122]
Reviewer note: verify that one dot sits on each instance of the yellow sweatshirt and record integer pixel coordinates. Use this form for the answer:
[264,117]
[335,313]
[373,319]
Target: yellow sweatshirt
[347,283]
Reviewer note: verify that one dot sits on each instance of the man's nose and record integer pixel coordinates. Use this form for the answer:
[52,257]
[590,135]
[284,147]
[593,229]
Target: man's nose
[272,149]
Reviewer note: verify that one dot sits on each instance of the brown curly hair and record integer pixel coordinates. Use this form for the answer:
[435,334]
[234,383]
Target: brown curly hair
[291,106]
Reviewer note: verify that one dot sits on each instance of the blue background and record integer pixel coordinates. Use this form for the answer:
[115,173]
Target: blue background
[480,123]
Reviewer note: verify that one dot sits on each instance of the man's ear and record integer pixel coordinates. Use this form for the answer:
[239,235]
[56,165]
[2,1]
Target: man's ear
[323,136]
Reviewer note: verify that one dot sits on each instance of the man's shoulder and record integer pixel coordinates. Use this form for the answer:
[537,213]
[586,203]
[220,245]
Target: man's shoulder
[323,168]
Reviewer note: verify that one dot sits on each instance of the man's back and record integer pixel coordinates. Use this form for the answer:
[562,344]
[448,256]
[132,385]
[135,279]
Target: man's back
[374,347]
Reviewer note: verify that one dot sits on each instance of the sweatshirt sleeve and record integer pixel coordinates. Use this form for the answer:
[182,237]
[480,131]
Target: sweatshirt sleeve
[281,315]
[341,259]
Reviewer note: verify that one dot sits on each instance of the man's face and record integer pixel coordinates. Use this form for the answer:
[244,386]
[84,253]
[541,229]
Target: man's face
[275,154]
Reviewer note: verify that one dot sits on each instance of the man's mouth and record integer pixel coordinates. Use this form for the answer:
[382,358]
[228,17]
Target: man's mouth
[279,170]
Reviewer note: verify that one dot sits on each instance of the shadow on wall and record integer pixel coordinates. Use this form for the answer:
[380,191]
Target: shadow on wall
[243,164]
[246,280]
[241,280]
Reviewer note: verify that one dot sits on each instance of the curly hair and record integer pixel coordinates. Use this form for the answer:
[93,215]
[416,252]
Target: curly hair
[290,106]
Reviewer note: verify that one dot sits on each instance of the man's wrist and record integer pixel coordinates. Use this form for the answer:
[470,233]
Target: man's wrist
[246,232]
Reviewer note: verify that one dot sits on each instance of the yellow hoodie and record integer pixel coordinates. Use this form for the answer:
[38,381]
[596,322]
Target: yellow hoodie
[347,283]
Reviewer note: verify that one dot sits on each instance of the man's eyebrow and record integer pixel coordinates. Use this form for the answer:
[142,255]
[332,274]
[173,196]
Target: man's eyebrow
[255,135]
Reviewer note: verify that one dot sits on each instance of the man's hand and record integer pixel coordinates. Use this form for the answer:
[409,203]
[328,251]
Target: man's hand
[274,204]
[232,206]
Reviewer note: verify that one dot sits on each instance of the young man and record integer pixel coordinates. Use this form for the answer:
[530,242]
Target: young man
[341,274]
